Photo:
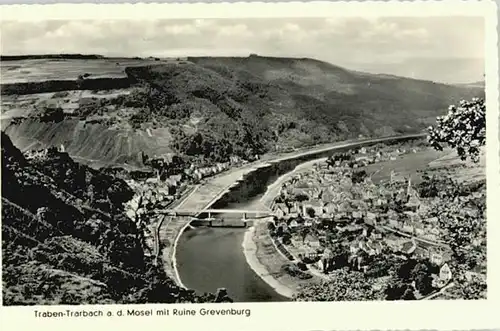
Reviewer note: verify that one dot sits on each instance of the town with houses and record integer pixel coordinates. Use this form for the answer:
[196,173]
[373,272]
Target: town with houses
[171,182]
[166,179]
[337,209]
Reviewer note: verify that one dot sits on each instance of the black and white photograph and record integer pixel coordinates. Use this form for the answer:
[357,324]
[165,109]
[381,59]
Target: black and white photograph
[243,160]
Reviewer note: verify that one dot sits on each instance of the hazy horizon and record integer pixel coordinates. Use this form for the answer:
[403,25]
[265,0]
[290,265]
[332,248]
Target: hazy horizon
[441,49]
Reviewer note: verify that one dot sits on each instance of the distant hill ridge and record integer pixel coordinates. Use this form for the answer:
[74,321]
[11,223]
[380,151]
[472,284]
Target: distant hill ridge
[215,107]
[50,56]
[480,84]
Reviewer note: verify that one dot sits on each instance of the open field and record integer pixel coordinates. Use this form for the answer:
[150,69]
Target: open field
[414,164]
[463,171]
[406,165]
[68,101]
[38,70]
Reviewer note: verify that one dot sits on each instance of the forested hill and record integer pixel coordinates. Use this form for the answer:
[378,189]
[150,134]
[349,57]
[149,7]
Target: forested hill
[215,107]
[259,103]
[66,239]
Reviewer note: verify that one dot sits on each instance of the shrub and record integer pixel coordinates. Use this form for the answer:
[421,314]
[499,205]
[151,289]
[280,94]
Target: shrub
[295,271]
[463,128]
[358,176]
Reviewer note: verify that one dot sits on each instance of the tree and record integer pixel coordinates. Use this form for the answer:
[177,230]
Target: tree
[300,197]
[358,176]
[379,267]
[222,296]
[467,286]
[404,271]
[408,294]
[422,275]
[443,186]
[466,234]
[330,162]
[287,238]
[310,212]
[399,290]
[463,128]
[345,286]
[304,231]
[461,231]
[340,255]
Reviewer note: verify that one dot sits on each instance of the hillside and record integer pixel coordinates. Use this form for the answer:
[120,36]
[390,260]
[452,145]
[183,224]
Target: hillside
[214,107]
[66,239]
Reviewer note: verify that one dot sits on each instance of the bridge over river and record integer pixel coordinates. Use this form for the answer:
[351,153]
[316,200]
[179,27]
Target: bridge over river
[206,216]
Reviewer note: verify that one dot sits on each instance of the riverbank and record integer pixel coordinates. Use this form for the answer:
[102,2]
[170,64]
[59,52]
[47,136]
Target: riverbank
[260,251]
[263,259]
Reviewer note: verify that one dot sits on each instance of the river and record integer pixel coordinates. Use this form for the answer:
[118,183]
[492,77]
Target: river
[210,258]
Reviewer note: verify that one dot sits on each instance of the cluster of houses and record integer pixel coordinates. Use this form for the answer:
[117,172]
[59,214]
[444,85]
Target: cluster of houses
[374,241]
[172,166]
[174,175]
[334,197]
[37,154]
[198,174]
[363,242]
[387,218]
[374,154]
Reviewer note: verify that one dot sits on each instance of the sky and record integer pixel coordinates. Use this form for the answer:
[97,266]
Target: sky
[444,49]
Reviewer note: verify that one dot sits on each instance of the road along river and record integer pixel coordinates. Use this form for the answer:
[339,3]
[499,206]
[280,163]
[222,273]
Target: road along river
[205,259]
